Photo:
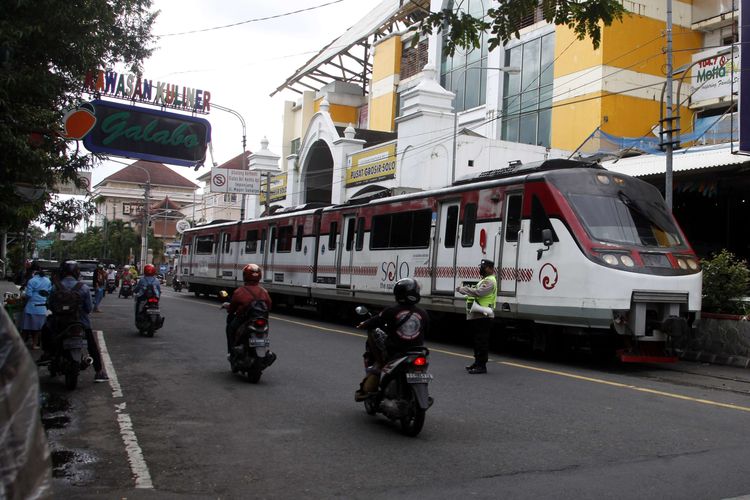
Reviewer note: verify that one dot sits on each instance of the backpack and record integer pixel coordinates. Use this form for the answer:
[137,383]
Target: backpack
[66,303]
[256,309]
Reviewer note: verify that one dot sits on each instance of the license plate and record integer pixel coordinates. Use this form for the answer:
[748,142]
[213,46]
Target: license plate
[258,342]
[152,311]
[418,378]
[74,344]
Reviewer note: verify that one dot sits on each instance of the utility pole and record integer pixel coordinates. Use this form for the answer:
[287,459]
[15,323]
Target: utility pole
[668,119]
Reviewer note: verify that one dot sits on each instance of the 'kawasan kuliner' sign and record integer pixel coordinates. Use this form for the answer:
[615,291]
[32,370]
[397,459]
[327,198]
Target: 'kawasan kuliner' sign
[372,165]
[147,134]
[134,88]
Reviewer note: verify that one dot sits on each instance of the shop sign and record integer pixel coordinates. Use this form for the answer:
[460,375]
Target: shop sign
[714,75]
[146,134]
[278,188]
[134,88]
[372,165]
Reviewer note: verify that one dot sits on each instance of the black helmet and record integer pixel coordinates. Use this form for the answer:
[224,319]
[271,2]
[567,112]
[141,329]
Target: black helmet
[406,291]
[70,268]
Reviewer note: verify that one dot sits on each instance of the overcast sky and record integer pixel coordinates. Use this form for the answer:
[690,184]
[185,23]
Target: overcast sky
[241,65]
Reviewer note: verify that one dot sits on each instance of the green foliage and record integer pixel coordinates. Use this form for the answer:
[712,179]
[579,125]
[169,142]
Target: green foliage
[725,279]
[46,48]
[503,23]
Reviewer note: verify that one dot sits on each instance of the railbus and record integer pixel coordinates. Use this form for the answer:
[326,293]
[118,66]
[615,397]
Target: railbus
[578,250]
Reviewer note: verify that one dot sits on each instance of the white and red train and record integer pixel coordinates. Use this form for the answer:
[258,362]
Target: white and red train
[576,247]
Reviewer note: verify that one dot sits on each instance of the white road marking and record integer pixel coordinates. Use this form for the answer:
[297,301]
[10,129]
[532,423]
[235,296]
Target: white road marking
[138,465]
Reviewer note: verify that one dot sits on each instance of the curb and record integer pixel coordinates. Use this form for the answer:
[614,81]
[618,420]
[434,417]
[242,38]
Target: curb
[716,359]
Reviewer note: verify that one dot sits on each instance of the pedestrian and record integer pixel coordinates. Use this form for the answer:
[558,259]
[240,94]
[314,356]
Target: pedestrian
[100,286]
[481,314]
[37,291]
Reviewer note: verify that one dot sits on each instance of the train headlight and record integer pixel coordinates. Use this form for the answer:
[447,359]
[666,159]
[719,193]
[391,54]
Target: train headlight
[627,261]
[681,262]
[610,259]
[692,264]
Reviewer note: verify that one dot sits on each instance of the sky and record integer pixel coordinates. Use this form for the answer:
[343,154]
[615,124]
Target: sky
[240,65]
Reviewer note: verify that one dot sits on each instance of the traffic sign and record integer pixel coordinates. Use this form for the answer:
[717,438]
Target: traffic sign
[227,180]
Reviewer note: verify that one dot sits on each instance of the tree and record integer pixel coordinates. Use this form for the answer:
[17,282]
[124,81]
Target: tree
[504,21]
[46,48]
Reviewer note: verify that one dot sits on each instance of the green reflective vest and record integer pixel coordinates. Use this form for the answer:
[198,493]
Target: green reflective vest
[487,300]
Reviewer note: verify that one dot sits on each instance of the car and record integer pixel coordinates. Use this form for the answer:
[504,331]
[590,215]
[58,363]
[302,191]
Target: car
[87,268]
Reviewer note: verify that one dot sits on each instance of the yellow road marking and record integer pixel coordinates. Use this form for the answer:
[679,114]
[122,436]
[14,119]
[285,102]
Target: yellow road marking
[551,372]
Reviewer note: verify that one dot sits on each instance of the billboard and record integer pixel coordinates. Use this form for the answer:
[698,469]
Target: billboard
[146,134]
[372,165]
[715,75]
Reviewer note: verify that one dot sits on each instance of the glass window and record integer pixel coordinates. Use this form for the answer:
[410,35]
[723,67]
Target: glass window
[360,234]
[262,241]
[451,225]
[251,241]
[470,222]
[272,243]
[285,239]
[300,236]
[225,242]
[513,217]
[349,234]
[204,244]
[332,233]
[401,230]
[539,221]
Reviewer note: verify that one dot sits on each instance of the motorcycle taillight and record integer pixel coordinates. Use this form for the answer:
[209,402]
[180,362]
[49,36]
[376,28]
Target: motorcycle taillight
[420,361]
[260,322]
[153,300]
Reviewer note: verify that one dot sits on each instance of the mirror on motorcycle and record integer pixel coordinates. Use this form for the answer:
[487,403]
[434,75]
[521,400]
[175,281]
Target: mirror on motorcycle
[361,310]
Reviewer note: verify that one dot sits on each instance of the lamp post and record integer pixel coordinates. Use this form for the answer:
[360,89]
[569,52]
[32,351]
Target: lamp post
[265,162]
[244,147]
[146,218]
[511,70]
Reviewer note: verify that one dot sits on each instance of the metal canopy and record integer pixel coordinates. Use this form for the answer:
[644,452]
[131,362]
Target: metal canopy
[347,58]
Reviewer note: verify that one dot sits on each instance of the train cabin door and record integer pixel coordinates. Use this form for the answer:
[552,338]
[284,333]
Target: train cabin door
[346,253]
[507,270]
[268,240]
[444,257]
[223,258]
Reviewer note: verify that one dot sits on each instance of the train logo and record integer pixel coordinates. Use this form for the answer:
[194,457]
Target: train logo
[548,276]
[394,271]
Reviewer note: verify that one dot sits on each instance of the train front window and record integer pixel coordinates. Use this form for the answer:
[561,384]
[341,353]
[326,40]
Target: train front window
[620,219]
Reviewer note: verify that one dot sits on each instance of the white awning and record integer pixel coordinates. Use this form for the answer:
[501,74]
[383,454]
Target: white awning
[347,57]
[682,160]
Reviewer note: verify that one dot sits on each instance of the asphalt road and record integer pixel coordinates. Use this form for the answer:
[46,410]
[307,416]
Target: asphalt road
[174,422]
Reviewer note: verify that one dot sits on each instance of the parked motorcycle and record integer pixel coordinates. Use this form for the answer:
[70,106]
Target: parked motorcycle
[176,284]
[149,318]
[111,285]
[251,353]
[69,354]
[402,393]
[126,289]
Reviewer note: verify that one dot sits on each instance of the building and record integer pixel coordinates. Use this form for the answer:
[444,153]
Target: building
[543,95]
[212,206]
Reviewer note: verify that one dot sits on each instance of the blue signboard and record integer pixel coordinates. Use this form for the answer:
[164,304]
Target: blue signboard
[148,134]
[744,91]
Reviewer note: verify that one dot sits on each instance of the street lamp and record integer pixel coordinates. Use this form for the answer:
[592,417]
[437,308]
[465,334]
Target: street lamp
[511,70]
[146,218]
[265,162]
[244,147]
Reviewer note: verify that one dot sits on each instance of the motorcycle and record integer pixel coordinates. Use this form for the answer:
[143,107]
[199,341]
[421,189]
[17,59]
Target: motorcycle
[251,353]
[149,318]
[69,354]
[126,289]
[111,285]
[402,393]
[176,284]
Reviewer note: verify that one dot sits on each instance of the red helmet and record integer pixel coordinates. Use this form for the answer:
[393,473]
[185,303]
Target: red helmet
[252,273]
[149,270]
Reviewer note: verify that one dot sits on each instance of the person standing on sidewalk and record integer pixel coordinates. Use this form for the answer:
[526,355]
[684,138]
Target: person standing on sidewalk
[37,291]
[485,295]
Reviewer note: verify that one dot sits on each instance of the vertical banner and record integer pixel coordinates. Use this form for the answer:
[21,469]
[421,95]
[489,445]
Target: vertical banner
[744,90]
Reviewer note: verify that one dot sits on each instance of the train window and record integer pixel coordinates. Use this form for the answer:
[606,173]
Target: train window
[204,244]
[285,239]
[251,241]
[513,217]
[332,233]
[225,242]
[349,234]
[451,224]
[360,234]
[401,230]
[470,222]
[539,221]
[300,234]
[272,243]
[262,241]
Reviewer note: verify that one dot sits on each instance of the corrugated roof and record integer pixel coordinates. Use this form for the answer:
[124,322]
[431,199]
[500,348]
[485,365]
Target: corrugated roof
[682,160]
[166,204]
[158,173]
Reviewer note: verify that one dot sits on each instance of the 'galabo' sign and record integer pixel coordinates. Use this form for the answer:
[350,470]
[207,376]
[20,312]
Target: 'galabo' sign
[159,136]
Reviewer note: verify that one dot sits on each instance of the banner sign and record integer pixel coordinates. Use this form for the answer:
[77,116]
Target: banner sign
[744,90]
[278,189]
[713,77]
[372,165]
[70,188]
[146,134]
[231,180]
[136,89]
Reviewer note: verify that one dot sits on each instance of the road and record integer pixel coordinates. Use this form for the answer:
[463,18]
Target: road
[175,423]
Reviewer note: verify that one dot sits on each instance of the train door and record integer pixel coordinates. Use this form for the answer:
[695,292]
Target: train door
[346,253]
[511,237]
[222,257]
[444,257]
[267,237]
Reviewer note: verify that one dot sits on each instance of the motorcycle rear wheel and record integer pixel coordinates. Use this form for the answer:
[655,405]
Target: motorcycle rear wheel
[371,408]
[71,378]
[253,376]
[412,423]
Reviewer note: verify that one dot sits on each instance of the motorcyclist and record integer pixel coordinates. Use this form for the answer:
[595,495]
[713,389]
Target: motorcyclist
[69,277]
[112,274]
[405,325]
[149,279]
[242,298]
